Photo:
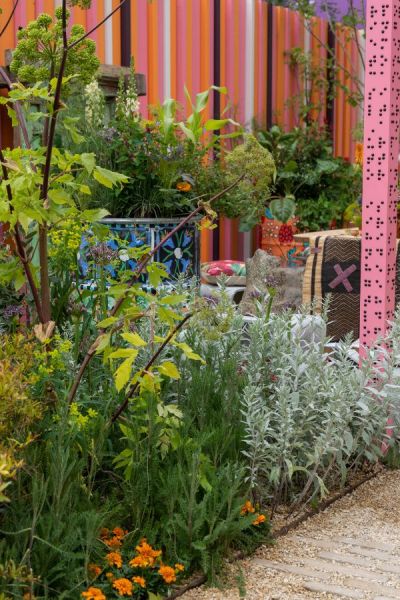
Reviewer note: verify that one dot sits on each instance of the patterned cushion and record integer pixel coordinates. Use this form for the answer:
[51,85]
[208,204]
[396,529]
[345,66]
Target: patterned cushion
[235,270]
[333,268]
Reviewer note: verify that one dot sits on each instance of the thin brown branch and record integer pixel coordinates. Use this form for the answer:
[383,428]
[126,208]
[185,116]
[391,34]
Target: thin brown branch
[151,362]
[20,247]
[18,110]
[99,24]
[14,8]
[139,269]
[43,242]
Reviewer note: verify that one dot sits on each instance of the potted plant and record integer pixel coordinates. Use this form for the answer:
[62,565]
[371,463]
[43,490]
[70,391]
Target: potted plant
[170,169]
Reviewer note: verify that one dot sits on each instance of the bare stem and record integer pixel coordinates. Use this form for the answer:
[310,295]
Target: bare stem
[88,33]
[151,362]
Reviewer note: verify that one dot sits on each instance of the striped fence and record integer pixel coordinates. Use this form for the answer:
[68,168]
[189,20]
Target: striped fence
[241,44]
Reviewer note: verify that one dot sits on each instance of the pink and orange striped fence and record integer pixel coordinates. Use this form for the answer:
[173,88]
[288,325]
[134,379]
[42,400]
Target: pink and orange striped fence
[241,44]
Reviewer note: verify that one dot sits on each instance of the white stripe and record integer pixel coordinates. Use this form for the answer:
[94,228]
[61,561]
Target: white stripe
[108,28]
[307,36]
[57,3]
[249,64]
[167,49]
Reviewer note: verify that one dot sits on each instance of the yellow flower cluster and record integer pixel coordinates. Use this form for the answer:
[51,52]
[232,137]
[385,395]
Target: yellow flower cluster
[78,419]
[52,360]
[94,593]
[65,242]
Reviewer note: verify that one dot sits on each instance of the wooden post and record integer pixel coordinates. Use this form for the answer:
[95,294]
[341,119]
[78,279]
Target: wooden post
[381,150]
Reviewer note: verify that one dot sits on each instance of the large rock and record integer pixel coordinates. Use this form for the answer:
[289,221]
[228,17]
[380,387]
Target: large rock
[263,271]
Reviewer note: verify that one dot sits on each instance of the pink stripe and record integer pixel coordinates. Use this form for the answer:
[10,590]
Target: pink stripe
[196,50]
[242,60]
[91,20]
[141,59]
[261,64]
[161,74]
[20,16]
[229,54]
[39,7]
[181,50]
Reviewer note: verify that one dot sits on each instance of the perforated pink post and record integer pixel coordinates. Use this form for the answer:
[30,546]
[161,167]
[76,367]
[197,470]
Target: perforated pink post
[381,149]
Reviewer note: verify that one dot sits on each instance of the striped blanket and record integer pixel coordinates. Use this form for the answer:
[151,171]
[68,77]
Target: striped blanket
[333,268]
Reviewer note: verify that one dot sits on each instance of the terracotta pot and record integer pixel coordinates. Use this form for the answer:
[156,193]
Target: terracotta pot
[271,244]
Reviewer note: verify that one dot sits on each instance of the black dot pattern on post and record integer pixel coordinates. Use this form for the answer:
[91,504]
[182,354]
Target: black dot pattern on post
[381,150]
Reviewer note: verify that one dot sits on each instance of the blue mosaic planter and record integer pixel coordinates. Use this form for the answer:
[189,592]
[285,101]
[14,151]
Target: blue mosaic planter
[180,254]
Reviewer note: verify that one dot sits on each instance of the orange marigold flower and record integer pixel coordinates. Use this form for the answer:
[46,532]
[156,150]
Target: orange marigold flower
[359,154]
[247,508]
[144,549]
[114,559]
[94,570]
[104,533]
[167,573]
[140,562]
[260,519]
[94,593]
[110,576]
[140,581]
[179,567]
[119,532]
[114,542]
[123,586]
[183,186]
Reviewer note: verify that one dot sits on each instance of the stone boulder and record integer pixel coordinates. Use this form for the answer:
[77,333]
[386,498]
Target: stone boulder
[263,271]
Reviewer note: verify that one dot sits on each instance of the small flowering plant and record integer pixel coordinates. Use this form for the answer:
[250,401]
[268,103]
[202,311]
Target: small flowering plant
[260,520]
[140,574]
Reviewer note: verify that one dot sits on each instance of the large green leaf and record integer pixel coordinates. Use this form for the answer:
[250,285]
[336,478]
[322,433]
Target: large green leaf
[283,209]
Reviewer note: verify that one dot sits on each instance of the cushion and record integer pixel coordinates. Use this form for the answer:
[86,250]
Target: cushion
[235,270]
[333,268]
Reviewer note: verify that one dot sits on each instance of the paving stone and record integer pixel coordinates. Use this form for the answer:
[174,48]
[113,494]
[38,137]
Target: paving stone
[371,553]
[368,586]
[344,570]
[333,589]
[362,562]
[365,544]
[294,569]
[331,545]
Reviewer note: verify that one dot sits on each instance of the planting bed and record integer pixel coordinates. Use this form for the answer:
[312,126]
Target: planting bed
[351,550]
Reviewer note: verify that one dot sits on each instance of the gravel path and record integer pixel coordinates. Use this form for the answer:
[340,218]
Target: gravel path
[351,550]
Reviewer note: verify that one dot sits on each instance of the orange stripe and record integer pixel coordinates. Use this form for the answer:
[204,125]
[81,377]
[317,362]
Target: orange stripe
[189,51]
[101,32]
[205,76]
[79,16]
[48,7]
[116,27]
[152,53]
[30,11]
[7,40]
[279,63]
[223,54]
[173,49]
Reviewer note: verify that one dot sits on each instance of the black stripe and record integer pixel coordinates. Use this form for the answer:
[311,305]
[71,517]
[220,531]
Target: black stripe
[314,268]
[217,97]
[126,51]
[270,74]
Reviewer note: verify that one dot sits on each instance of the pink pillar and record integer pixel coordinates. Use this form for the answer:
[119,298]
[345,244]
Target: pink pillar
[381,149]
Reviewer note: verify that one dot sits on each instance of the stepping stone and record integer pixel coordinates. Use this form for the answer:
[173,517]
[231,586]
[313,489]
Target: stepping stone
[368,586]
[293,569]
[343,570]
[365,544]
[362,562]
[333,589]
[328,545]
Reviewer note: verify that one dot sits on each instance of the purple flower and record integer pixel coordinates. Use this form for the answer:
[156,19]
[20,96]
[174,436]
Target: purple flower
[102,254]
[12,310]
